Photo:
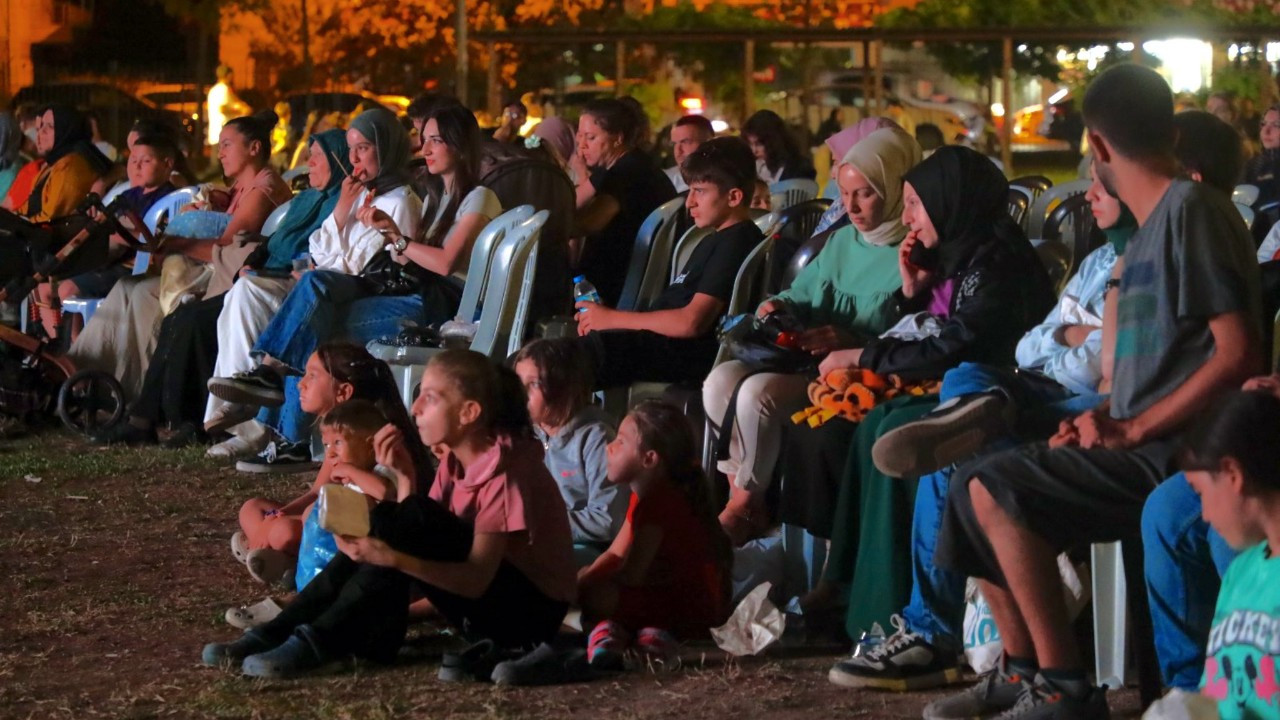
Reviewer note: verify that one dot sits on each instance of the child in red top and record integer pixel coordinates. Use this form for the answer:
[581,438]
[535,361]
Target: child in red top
[667,573]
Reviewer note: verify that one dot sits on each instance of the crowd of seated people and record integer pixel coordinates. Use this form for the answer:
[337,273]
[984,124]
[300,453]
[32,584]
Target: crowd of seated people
[504,499]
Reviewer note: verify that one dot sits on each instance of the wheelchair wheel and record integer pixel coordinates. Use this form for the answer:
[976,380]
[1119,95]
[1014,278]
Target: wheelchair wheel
[91,401]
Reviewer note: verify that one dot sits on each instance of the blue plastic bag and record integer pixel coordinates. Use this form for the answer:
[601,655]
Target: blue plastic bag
[199,224]
[316,550]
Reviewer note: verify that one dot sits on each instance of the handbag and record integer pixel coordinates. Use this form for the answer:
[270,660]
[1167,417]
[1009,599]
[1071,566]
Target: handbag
[390,277]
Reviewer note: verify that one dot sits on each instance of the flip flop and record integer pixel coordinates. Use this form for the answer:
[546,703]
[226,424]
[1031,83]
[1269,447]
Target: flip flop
[247,618]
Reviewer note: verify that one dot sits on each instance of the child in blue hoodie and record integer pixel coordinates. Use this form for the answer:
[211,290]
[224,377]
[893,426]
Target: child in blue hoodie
[574,435]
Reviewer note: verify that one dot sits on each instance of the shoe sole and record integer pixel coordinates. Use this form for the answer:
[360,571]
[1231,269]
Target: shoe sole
[282,468]
[241,394]
[239,550]
[930,444]
[927,681]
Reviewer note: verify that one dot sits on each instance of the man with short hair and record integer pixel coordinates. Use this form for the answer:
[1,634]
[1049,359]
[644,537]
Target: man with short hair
[1186,331]
[687,134]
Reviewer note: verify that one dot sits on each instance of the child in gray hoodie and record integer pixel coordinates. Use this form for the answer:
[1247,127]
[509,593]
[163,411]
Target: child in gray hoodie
[574,435]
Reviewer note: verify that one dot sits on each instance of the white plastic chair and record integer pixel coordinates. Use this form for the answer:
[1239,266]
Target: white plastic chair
[650,251]
[1245,194]
[115,192]
[290,175]
[506,298]
[166,207]
[658,269]
[1110,613]
[272,223]
[1048,199]
[684,250]
[481,253]
[1246,213]
[786,193]
[769,222]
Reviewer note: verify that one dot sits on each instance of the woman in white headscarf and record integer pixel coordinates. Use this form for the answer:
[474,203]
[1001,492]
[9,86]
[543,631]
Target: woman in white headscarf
[843,297]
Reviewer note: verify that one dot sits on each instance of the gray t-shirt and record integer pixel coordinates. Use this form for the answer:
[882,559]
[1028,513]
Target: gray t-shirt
[1192,260]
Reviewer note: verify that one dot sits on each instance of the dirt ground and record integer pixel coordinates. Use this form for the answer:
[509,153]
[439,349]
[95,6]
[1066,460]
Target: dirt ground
[118,571]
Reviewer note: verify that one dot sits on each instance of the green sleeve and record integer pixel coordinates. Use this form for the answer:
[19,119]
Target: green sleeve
[806,289]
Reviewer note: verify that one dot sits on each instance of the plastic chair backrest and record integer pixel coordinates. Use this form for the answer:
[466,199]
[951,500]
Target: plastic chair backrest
[520,324]
[1019,202]
[803,256]
[1245,194]
[272,223]
[657,228]
[166,207]
[1056,258]
[1073,214]
[1047,200]
[748,284]
[795,226]
[481,254]
[115,191]
[293,173]
[684,249]
[785,193]
[768,223]
[1247,213]
[1036,185]
[658,269]
[506,277]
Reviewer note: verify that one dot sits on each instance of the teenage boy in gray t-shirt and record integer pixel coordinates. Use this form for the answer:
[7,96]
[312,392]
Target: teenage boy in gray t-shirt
[1187,330]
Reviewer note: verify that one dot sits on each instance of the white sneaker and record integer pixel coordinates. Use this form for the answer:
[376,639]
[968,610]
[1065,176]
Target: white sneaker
[237,447]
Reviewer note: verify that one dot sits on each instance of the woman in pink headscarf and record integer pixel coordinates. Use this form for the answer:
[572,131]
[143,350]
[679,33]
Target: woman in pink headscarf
[839,144]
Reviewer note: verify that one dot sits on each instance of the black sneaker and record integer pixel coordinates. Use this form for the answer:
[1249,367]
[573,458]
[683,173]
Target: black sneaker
[261,386]
[250,643]
[545,665]
[997,690]
[280,457]
[476,663]
[954,431]
[905,661]
[1042,700]
[126,433]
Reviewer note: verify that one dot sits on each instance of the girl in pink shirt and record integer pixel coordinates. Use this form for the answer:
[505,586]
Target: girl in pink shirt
[489,547]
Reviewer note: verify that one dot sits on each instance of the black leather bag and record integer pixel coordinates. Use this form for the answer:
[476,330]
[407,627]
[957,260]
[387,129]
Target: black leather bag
[754,342]
[390,277]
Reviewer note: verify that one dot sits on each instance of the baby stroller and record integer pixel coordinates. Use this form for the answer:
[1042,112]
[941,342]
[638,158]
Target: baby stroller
[34,376]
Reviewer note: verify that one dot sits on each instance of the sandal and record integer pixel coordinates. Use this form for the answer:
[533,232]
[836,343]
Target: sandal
[240,546]
[247,618]
[271,567]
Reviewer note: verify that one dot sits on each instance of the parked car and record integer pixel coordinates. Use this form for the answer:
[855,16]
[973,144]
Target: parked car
[116,109]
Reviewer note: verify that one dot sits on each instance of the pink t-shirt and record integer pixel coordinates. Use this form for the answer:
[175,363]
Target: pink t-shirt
[509,490]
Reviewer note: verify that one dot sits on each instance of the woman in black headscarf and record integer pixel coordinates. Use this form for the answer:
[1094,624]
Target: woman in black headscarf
[972,286]
[72,164]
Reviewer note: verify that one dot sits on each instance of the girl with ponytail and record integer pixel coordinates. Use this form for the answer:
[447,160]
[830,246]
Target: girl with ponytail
[667,575]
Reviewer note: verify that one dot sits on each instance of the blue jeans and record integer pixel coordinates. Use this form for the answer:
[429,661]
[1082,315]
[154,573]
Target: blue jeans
[936,608]
[325,306]
[1183,560]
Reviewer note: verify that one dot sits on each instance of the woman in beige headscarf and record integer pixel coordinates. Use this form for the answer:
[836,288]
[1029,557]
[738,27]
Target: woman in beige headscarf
[843,297]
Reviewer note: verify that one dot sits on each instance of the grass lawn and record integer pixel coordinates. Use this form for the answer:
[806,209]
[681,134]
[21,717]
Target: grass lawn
[119,571]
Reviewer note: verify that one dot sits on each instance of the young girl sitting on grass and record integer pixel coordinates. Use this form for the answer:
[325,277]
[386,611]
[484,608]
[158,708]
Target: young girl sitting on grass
[489,547]
[1231,459]
[574,435]
[667,574]
[336,373]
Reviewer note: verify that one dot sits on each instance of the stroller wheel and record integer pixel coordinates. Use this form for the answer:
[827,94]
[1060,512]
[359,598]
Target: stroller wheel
[91,401]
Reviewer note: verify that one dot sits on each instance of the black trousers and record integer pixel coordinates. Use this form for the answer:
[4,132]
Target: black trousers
[175,386]
[363,610]
[621,357]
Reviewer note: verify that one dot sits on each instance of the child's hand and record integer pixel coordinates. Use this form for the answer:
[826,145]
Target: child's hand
[343,474]
[592,316]
[1067,435]
[368,550]
[1264,383]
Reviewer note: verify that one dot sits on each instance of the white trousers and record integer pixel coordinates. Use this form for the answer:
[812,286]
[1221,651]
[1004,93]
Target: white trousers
[246,311]
[765,405]
[121,336]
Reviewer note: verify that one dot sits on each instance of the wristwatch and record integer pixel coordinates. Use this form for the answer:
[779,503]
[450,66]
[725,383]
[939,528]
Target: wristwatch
[401,244]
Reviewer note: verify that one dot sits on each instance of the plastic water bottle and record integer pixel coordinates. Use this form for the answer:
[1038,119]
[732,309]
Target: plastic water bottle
[584,291]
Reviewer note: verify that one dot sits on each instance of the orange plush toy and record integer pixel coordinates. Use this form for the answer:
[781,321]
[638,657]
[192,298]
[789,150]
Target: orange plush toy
[851,393]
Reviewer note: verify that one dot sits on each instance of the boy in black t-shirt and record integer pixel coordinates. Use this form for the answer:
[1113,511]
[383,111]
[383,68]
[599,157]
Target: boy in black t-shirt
[675,341]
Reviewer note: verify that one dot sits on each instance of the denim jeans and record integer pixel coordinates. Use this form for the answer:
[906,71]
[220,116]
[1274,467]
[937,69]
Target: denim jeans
[1183,561]
[936,608]
[326,306]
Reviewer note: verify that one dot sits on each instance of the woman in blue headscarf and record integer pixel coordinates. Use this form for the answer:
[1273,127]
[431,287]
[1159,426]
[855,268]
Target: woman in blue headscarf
[194,335]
